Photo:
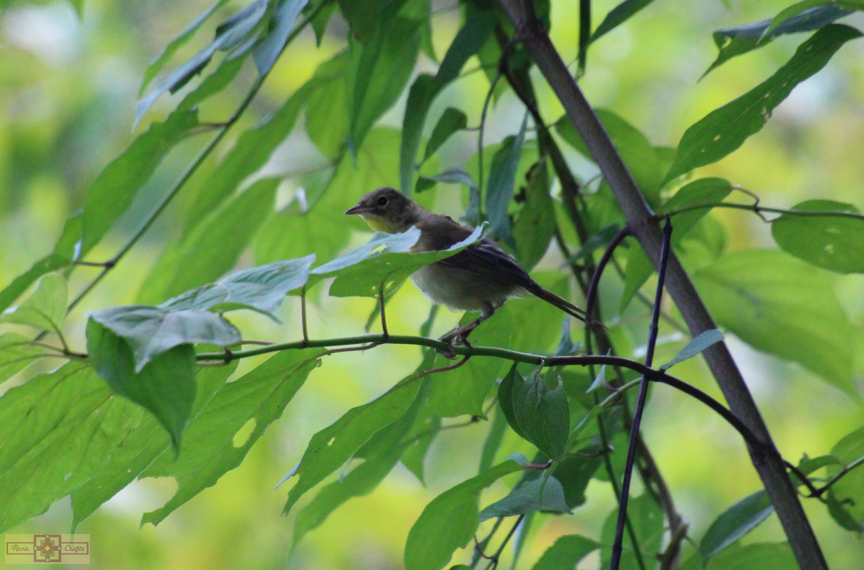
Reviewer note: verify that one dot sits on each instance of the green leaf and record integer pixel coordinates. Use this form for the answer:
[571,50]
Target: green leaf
[58,430]
[567,551]
[782,306]
[695,346]
[809,465]
[850,488]
[213,83]
[331,447]
[505,399]
[725,129]
[150,331]
[698,192]
[16,354]
[830,242]
[361,272]
[231,33]
[635,149]
[111,194]
[502,178]
[452,176]
[210,451]
[268,48]
[157,64]
[250,153]
[422,434]
[493,439]
[617,16]
[464,390]
[537,495]
[380,454]
[647,521]
[841,513]
[468,42]
[129,455]
[737,521]
[535,226]
[742,39]
[328,115]
[260,288]
[45,309]
[543,414]
[758,556]
[451,121]
[214,247]
[796,9]
[575,472]
[380,71]
[165,386]
[449,521]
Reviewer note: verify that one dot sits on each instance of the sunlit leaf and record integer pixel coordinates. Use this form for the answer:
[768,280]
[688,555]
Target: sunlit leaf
[502,179]
[449,521]
[783,306]
[130,454]
[537,495]
[618,15]
[725,129]
[699,192]
[213,247]
[111,194]
[379,455]
[737,521]
[331,447]
[464,390]
[567,551]
[45,309]
[209,450]
[426,87]
[830,242]
[760,555]
[16,354]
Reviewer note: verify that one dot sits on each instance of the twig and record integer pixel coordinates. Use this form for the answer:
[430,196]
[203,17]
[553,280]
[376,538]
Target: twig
[640,403]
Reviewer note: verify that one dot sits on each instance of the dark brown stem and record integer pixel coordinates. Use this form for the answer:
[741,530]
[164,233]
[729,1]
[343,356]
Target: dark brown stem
[766,459]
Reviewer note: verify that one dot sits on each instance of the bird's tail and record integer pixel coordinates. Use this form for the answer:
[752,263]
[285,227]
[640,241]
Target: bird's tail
[565,306]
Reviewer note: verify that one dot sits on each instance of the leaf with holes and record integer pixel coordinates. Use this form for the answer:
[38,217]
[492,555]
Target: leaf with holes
[830,242]
[257,399]
[739,40]
[724,130]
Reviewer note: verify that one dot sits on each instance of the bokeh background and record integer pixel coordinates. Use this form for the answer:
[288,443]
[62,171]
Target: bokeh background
[68,88]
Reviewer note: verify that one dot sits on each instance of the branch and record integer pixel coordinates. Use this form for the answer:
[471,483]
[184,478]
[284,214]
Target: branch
[641,221]
[756,208]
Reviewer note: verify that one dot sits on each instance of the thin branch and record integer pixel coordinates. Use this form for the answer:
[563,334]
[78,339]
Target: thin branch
[846,469]
[766,459]
[640,403]
[758,209]
[591,295]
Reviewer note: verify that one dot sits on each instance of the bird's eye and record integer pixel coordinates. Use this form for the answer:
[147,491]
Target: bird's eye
[382,201]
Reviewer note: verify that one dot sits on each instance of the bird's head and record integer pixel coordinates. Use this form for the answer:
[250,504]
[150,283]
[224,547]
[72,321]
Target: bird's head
[387,210]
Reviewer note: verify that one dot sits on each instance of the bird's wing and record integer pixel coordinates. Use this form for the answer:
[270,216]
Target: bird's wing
[489,261]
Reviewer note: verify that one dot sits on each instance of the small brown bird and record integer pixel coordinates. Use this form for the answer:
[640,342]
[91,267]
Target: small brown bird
[479,278]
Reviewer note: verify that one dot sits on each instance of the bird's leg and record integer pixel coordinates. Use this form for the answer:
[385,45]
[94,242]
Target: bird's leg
[460,334]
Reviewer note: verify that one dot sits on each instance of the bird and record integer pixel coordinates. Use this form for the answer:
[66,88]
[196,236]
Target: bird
[480,278]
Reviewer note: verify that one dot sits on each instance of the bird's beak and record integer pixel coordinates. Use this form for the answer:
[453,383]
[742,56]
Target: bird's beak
[358,209]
